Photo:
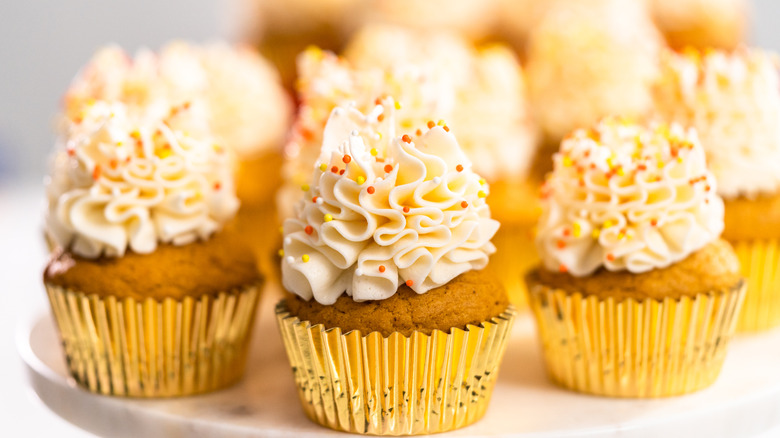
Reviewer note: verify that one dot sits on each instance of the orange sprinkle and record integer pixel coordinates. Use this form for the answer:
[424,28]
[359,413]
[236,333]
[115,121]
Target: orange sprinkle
[446,128]
[563,268]
[341,172]
[96,173]
[459,168]
[406,138]
[418,132]
[464,204]
[308,229]
[314,199]
[334,169]
[409,283]
[370,190]
[561,244]
[346,159]
[377,101]
[71,152]
[431,124]
[567,232]
[610,257]
[388,168]
[380,117]
[653,222]
[217,185]
[381,268]
[406,209]
[113,163]
[707,189]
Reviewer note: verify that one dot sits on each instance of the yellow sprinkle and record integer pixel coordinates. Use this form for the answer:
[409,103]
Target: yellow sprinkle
[119,143]
[660,164]
[679,159]
[281,253]
[373,152]
[305,187]
[611,162]
[629,236]
[620,171]
[441,122]
[596,233]
[608,223]
[481,194]
[323,167]
[482,181]
[164,153]
[90,101]
[621,236]
[328,218]
[305,258]
[361,180]
[567,161]
[398,105]
[407,123]
[281,230]
[379,135]
[576,229]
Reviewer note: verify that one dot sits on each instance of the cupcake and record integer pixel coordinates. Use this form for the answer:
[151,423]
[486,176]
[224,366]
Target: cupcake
[587,60]
[150,297]
[636,296]
[478,92]
[239,92]
[732,100]
[703,24]
[391,324]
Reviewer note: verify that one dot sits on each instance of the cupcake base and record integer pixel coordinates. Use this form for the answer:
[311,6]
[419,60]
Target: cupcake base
[394,385]
[154,348]
[760,262]
[634,348]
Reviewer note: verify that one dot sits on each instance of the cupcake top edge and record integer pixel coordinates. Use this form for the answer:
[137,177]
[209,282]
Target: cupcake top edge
[382,210]
[627,196]
[127,180]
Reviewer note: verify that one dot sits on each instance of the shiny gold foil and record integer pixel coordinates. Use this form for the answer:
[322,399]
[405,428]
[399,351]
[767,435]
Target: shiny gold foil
[149,348]
[632,348]
[394,385]
[515,255]
[760,261]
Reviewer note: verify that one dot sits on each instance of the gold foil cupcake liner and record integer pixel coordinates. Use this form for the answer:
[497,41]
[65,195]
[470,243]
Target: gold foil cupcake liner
[634,348]
[394,385]
[150,348]
[515,255]
[760,263]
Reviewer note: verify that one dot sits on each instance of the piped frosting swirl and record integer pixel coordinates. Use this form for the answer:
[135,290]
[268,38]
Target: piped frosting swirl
[623,196]
[381,210]
[127,180]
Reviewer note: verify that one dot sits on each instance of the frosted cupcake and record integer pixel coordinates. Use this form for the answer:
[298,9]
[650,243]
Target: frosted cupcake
[151,299]
[478,93]
[587,60]
[702,23]
[732,99]
[238,92]
[637,296]
[388,241]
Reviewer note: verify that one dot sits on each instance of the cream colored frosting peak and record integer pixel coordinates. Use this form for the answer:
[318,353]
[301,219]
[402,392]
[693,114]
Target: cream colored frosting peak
[733,101]
[128,180]
[381,210]
[627,197]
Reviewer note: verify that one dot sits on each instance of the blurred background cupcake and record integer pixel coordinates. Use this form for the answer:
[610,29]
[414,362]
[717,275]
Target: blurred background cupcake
[478,92]
[733,101]
[384,261]
[246,107]
[719,24]
[637,296]
[150,296]
[587,60]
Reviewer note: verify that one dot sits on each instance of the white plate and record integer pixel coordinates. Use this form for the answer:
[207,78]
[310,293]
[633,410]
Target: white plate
[745,401]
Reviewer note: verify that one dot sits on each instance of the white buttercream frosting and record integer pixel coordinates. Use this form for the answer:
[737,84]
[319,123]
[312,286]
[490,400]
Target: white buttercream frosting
[127,180]
[382,210]
[627,197]
[733,101]
[247,108]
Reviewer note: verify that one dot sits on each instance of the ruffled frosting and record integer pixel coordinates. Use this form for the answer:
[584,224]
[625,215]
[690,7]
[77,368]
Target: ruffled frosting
[733,102]
[127,180]
[247,107]
[627,197]
[479,93]
[382,210]
[587,60]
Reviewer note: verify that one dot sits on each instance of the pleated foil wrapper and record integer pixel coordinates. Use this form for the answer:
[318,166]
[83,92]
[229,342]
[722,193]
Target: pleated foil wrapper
[394,385]
[634,348]
[515,255]
[760,263]
[150,348]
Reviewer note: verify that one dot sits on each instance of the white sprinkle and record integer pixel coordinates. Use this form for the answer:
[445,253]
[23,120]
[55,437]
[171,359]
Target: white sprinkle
[358,272]
[290,259]
[320,201]
[436,180]
[337,111]
[355,133]
[378,180]
[287,240]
